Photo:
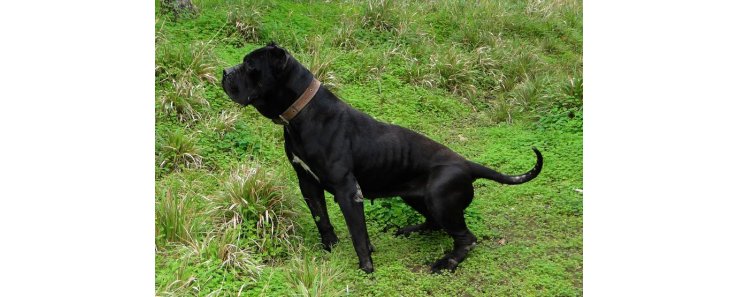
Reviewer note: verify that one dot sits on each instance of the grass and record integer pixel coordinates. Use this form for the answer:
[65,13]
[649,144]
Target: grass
[310,277]
[182,99]
[319,62]
[225,122]
[178,150]
[174,219]
[489,79]
[253,202]
[228,248]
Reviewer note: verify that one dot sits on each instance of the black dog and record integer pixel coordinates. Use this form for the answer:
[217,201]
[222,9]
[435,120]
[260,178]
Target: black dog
[337,148]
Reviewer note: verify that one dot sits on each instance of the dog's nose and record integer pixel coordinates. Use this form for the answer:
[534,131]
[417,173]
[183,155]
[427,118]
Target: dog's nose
[228,71]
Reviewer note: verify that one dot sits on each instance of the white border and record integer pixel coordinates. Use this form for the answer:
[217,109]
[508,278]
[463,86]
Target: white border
[77,120]
[661,203]
[661,102]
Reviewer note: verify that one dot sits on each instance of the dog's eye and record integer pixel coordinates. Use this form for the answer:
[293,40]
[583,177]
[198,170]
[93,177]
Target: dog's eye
[250,70]
[248,66]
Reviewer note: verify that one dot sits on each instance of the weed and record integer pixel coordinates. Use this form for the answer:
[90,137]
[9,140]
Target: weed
[573,93]
[565,108]
[345,37]
[457,71]
[380,15]
[178,8]
[225,122]
[180,286]
[245,21]
[174,215]
[311,278]
[539,8]
[178,150]
[252,199]
[527,94]
[160,36]
[319,61]
[417,71]
[391,213]
[233,254]
[182,98]
[181,74]
[195,63]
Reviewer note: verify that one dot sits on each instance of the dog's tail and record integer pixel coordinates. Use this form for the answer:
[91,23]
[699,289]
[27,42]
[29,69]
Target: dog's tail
[485,172]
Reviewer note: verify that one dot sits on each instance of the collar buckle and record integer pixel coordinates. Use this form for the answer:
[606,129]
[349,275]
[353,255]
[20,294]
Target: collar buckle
[280,120]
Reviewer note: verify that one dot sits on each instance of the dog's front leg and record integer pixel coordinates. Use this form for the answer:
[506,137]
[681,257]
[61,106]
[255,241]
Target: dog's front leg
[350,200]
[313,194]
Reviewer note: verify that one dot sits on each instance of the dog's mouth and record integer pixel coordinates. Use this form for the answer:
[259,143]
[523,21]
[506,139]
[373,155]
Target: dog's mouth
[238,93]
[233,94]
[249,100]
[243,102]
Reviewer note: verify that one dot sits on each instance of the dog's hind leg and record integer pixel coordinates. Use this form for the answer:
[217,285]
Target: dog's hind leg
[417,203]
[449,192]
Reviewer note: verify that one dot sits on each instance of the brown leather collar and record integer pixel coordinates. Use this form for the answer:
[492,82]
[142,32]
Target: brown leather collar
[299,104]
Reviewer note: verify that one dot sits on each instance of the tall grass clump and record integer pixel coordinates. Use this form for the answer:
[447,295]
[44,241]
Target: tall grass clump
[489,67]
[523,101]
[181,73]
[252,199]
[177,8]
[416,69]
[182,98]
[177,150]
[416,72]
[311,278]
[319,59]
[180,281]
[346,36]
[244,21]
[572,93]
[543,9]
[234,253]
[225,122]
[565,106]
[380,15]
[196,62]
[519,67]
[174,218]
[478,23]
[454,69]
[457,71]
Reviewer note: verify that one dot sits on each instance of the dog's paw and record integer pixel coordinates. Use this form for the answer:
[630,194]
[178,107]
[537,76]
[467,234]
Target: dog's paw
[446,263]
[367,267]
[328,242]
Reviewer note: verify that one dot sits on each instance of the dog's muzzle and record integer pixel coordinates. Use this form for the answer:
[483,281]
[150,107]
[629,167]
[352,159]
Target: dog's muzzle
[227,83]
[229,71]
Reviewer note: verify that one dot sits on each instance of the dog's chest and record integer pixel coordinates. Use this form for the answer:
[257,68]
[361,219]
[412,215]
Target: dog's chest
[297,160]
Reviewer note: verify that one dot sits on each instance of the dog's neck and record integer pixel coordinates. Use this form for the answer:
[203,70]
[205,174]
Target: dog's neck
[282,97]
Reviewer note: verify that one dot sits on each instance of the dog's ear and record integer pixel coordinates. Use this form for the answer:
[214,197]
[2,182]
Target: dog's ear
[278,56]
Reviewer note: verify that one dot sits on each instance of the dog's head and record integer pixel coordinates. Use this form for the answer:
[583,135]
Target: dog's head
[258,80]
